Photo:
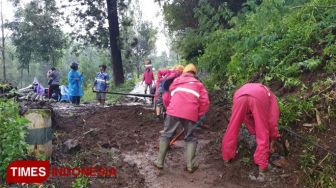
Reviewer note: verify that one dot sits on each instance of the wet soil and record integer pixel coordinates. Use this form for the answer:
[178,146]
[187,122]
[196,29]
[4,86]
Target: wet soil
[126,137]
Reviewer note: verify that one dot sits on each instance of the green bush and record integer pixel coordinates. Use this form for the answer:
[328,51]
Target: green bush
[12,134]
[293,109]
[318,173]
[80,182]
[280,38]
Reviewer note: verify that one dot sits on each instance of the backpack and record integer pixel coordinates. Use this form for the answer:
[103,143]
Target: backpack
[166,83]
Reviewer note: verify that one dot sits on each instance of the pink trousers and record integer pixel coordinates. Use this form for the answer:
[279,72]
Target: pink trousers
[244,108]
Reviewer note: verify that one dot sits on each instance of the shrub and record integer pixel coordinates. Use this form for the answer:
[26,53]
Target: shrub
[12,134]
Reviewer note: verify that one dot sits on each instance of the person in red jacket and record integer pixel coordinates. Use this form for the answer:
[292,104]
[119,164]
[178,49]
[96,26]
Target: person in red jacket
[148,78]
[164,74]
[256,106]
[188,103]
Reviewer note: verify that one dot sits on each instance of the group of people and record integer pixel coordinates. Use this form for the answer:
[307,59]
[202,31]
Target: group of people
[75,84]
[186,101]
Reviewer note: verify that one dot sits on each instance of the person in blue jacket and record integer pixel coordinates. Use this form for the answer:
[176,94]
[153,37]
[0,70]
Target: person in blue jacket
[75,80]
[101,84]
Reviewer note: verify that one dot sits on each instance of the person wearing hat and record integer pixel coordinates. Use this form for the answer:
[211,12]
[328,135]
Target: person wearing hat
[101,84]
[148,78]
[189,101]
[75,82]
[256,106]
[163,76]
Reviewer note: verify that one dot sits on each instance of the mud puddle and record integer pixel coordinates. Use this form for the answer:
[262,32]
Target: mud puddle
[173,175]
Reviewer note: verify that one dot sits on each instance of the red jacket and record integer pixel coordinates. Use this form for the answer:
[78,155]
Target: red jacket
[268,101]
[256,106]
[189,98]
[148,76]
[160,75]
[166,95]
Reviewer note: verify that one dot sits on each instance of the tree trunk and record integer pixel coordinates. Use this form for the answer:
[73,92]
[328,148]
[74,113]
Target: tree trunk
[138,64]
[21,76]
[3,44]
[138,69]
[112,11]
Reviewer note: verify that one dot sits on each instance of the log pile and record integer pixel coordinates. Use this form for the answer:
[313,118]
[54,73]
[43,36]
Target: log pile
[25,94]
[28,94]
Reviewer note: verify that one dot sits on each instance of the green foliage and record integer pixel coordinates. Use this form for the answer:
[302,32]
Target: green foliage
[179,14]
[330,50]
[164,60]
[89,60]
[293,109]
[279,38]
[330,67]
[321,127]
[144,44]
[37,34]
[212,16]
[246,161]
[189,46]
[88,94]
[80,182]
[310,64]
[12,134]
[90,25]
[307,158]
[321,84]
[190,22]
[124,88]
[319,173]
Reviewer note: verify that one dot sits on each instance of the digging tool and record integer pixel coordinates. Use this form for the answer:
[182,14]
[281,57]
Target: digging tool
[197,124]
[172,142]
[131,94]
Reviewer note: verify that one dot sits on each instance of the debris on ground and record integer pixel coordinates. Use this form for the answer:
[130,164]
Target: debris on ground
[71,145]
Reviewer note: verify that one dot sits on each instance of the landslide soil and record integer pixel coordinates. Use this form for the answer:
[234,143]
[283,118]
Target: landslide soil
[126,137]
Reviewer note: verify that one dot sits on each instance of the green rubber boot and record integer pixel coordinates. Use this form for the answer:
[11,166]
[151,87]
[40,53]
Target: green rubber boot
[191,150]
[162,154]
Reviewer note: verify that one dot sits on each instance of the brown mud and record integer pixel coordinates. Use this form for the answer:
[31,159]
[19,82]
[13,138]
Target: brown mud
[126,137]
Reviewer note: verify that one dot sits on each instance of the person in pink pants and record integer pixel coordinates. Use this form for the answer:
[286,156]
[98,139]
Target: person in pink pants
[255,106]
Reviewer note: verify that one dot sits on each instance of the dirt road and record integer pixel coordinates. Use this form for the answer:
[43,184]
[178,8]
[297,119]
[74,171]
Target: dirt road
[127,137]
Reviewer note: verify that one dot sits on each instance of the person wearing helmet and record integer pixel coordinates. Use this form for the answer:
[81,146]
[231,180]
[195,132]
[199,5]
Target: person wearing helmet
[163,76]
[188,102]
[75,80]
[165,95]
[256,106]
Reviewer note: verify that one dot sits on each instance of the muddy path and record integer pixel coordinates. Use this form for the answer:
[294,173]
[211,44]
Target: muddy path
[127,137]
